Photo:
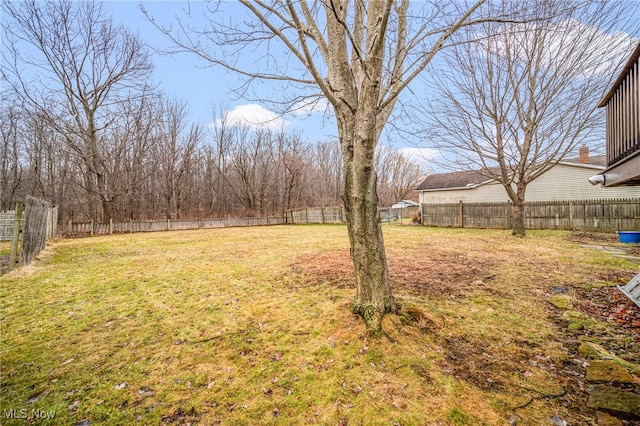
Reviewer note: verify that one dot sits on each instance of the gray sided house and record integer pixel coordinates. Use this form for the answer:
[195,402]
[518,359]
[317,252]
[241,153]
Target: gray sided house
[567,180]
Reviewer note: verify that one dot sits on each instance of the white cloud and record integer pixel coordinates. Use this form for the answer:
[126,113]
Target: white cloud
[586,48]
[254,116]
[602,50]
[309,106]
[422,156]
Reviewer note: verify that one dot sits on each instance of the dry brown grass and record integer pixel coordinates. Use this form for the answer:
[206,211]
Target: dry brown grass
[251,326]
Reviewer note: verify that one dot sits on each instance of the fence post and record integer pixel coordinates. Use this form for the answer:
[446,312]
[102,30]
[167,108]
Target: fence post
[461,213]
[92,227]
[110,226]
[55,222]
[70,227]
[571,215]
[49,224]
[13,256]
[322,213]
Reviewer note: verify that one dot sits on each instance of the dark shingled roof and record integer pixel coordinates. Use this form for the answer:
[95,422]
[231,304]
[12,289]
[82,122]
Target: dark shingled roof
[452,180]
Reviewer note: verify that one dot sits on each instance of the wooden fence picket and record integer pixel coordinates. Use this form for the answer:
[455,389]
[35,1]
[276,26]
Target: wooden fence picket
[607,215]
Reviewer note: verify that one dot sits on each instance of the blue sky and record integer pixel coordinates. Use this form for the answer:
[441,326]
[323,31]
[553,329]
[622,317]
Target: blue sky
[185,77]
[203,89]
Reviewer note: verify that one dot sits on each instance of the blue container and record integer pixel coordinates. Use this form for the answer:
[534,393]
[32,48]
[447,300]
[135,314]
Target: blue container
[629,236]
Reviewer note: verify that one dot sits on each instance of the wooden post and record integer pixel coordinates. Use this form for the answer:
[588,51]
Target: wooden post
[509,215]
[306,216]
[70,227]
[322,213]
[461,213]
[91,226]
[571,215]
[168,224]
[13,256]
[110,225]
[55,222]
[49,224]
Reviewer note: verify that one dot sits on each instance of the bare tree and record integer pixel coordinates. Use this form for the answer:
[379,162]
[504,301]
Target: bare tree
[397,175]
[216,159]
[523,96]
[252,161]
[292,168]
[10,149]
[326,181]
[77,65]
[358,55]
[134,135]
[175,153]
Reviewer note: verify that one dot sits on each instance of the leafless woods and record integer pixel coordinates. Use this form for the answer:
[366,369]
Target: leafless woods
[83,127]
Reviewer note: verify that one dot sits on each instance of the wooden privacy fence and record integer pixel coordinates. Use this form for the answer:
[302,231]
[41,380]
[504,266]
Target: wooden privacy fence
[606,215]
[96,228]
[32,224]
[316,215]
[299,216]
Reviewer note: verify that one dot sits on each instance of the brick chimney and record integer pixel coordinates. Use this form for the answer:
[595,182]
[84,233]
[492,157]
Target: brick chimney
[584,154]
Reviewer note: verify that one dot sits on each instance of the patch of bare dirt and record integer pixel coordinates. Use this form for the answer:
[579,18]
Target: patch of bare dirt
[592,237]
[438,275]
[332,267]
[430,274]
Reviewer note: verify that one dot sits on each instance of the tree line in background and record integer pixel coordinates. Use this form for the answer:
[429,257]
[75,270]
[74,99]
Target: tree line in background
[83,128]
[156,164]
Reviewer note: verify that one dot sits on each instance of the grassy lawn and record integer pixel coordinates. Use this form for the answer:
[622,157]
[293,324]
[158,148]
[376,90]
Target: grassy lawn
[248,326]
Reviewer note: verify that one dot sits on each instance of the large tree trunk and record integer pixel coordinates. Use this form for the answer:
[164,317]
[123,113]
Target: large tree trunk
[518,229]
[518,220]
[373,290]
[358,136]
[356,92]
